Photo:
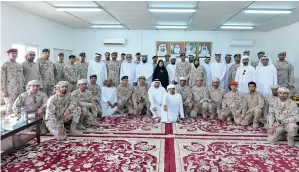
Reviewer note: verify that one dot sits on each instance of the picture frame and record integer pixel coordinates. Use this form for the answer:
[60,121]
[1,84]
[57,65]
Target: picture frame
[204,49]
[176,48]
[162,48]
[191,48]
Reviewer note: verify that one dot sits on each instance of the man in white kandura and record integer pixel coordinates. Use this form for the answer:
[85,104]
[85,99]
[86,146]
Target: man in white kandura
[155,94]
[145,69]
[207,67]
[97,67]
[171,70]
[266,76]
[108,98]
[218,70]
[128,68]
[172,106]
[245,74]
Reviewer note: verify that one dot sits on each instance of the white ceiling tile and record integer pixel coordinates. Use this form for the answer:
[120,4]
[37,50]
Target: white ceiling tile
[223,7]
[73,3]
[209,20]
[123,7]
[93,15]
[275,5]
[254,19]
[172,4]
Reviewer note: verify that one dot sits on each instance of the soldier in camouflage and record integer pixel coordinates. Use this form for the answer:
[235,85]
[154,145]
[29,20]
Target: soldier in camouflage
[269,100]
[96,92]
[285,72]
[185,92]
[82,67]
[113,69]
[58,68]
[70,73]
[200,95]
[183,68]
[124,96]
[140,97]
[233,69]
[31,69]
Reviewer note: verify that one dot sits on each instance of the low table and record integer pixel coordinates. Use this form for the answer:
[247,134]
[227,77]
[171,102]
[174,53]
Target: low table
[13,139]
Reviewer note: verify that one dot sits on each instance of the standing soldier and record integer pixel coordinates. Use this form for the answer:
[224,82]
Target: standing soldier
[200,95]
[82,67]
[107,59]
[46,68]
[140,97]
[31,69]
[196,71]
[183,68]
[96,92]
[58,68]
[113,69]
[233,69]
[124,96]
[185,92]
[70,73]
[285,72]
[166,61]
[12,80]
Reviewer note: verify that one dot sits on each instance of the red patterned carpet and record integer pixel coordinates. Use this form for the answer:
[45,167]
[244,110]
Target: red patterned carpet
[142,144]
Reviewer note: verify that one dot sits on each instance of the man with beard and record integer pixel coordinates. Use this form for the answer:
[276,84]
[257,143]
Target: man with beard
[162,50]
[283,117]
[145,69]
[190,50]
[122,57]
[107,59]
[171,71]
[204,51]
[216,95]
[96,92]
[185,92]
[228,64]
[58,68]
[137,61]
[70,73]
[31,69]
[83,98]
[128,68]
[140,97]
[60,110]
[218,70]
[233,69]
[253,103]
[155,94]
[259,56]
[46,68]
[97,67]
[207,67]
[269,101]
[31,103]
[176,50]
[245,73]
[113,69]
[172,105]
[285,72]
[200,95]
[231,104]
[124,97]
[108,98]
[183,68]
[82,67]
[166,61]
[191,59]
[155,61]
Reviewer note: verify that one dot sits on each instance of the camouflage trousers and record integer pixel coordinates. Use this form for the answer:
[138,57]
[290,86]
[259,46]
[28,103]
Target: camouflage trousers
[196,109]
[141,106]
[72,86]
[290,128]
[53,124]
[187,110]
[211,109]
[48,89]
[87,117]
[9,101]
[99,108]
[227,113]
[251,117]
[125,105]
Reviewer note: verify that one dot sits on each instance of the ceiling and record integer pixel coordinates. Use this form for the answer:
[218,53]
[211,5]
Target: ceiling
[135,15]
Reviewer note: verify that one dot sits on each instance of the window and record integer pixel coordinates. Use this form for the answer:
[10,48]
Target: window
[23,49]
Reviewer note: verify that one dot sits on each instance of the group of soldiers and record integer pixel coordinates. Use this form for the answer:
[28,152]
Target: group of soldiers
[78,98]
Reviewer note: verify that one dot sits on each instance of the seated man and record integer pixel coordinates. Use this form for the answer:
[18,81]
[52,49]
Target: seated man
[185,92]
[140,97]
[216,95]
[231,104]
[253,103]
[96,93]
[60,111]
[108,98]
[155,94]
[200,95]
[83,98]
[283,116]
[32,103]
[269,100]
[172,106]
[124,96]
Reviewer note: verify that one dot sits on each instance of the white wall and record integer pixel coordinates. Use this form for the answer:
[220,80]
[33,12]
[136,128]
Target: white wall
[19,27]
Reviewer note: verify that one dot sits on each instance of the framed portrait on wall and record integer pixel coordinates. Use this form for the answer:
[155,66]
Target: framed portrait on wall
[162,48]
[191,48]
[176,48]
[204,49]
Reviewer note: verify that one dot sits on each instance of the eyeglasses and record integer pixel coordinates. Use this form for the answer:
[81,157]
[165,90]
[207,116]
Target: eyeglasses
[244,72]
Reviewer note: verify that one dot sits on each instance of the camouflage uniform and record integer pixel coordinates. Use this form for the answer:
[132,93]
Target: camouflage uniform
[82,70]
[200,72]
[231,106]
[124,97]
[232,72]
[269,100]
[31,72]
[12,82]
[186,93]
[255,103]
[287,115]
[285,74]
[213,106]
[58,71]
[46,68]
[113,71]
[199,96]
[141,99]
[56,106]
[70,75]
[96,92]
[183,69]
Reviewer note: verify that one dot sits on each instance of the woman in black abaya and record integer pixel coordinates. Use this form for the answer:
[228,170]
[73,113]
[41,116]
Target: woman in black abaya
[161,73]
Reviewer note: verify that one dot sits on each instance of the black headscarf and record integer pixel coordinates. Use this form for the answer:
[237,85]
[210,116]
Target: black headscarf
[161,74]
[196,59]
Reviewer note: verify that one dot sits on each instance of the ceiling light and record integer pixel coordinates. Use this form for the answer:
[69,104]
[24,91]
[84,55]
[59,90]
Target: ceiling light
[267,11]
[107,26]
[236,27]
[171,27]
[78,9]
[160,10]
